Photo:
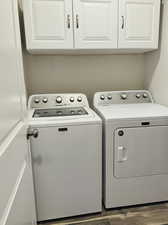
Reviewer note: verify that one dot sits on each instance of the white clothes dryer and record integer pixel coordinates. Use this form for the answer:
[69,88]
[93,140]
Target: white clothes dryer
[135,148]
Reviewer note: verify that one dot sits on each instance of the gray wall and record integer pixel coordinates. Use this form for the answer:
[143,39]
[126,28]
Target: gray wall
[156,64]
[84,73]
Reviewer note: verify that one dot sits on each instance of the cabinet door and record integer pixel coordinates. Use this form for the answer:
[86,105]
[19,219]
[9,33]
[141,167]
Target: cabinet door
[139,23]
[95,23]
[48,24]
[10,113]
[17,205]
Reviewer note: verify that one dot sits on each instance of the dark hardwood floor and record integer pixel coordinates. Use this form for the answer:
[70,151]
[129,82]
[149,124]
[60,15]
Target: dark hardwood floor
[153,214]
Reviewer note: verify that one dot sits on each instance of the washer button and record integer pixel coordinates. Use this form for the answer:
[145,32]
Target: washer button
[72,99]
[59,99]
[145,95]
[124,96]
[79,99]
[102,97]
[138,96]
[36,100]
[109,97]
[45,100]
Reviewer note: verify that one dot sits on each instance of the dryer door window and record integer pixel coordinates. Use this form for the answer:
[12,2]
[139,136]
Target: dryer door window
[141,151]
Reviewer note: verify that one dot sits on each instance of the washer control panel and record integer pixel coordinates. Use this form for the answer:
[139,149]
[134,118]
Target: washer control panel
[57,100]
[122,97]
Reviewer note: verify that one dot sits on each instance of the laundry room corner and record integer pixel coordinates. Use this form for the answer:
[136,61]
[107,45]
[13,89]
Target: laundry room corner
[156,66]
[84,112]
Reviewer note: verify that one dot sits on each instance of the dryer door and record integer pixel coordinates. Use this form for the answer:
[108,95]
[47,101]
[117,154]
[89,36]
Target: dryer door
[140,151]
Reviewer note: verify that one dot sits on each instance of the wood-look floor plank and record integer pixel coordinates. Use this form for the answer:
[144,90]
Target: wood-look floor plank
[156,214]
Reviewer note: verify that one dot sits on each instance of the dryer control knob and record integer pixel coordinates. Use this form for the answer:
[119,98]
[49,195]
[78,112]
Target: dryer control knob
[45,100]
[124,96]
[109,97]
[79,99]
[145,95]
[59,99]
[71,99]
[102,97]
[36,100]
[138,96]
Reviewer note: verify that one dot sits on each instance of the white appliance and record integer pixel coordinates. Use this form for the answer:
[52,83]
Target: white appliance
[66,155]
[135,148]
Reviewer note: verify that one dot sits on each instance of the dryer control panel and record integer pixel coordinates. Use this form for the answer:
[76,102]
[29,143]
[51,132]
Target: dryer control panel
[122,97]
[57,100]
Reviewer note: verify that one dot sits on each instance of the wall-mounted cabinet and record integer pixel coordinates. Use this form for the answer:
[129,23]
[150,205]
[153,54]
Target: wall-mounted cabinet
[48,24]
[139,24]
[108,25]
[95,24]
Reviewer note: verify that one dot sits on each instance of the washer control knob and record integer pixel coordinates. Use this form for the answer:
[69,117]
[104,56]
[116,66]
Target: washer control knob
[124,96]
[145,95]
[102,97]
[71,99]
[79,99]
[138,96]
[45,100]
[59,99]
[109,97]
[36,100]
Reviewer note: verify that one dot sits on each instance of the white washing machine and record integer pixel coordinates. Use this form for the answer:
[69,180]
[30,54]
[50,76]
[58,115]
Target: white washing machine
[135,148]
[66,145]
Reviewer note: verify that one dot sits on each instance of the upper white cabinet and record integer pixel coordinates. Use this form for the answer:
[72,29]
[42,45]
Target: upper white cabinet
[131,25]
[138,23]
[95,24]
[48,24]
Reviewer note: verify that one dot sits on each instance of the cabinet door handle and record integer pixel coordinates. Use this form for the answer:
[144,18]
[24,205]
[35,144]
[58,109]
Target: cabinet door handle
[77,21]
[68,21]
[123,22]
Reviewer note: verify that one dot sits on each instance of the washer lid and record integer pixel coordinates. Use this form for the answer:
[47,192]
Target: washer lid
[133,111]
